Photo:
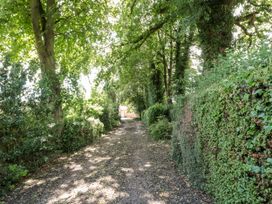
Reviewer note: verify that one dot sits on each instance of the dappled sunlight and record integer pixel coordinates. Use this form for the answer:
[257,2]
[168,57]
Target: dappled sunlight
[73,166]
[103,190]
[90,149]
[29,183]
[164,194]
[53,178]
[100,159]
[155,202]
[119,132]
[150,199]
[124,167]
[92,167]
[147,164]
[128,171]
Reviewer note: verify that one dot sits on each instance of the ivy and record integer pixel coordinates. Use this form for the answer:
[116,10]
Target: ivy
[231,130]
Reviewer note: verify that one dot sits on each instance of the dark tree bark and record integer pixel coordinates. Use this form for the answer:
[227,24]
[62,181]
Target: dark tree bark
[155,86]
[167,67]
[43,23]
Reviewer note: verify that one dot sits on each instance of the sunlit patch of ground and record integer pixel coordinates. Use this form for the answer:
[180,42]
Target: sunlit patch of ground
[125,166]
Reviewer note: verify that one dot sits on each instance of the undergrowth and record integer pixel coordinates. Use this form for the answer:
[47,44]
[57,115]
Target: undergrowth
[27,130]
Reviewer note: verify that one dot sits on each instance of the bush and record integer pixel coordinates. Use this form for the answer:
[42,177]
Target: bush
[10,175]
[110,116]
[79,132]
[153,113]
[227,138]
[161,129]
[27,129]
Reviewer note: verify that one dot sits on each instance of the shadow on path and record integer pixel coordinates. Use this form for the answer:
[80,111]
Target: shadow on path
[125,166]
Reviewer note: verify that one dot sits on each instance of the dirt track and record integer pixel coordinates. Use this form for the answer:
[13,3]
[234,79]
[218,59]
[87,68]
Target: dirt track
[125,166]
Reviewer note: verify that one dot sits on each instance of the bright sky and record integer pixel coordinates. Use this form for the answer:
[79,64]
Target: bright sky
[87,82]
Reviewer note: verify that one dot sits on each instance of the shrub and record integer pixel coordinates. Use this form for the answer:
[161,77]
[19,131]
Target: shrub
[110,116]
[97,127]
[153,113]
[10,175]
[230,126]
[79,132]
[161,129]
[27,130]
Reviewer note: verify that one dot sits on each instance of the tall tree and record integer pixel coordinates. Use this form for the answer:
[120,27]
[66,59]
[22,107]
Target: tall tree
[155,91]
[43,22]
[64,33]
[182,57]
[215,27]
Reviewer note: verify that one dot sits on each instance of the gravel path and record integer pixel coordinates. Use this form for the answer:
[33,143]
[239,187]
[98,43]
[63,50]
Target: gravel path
[124,166]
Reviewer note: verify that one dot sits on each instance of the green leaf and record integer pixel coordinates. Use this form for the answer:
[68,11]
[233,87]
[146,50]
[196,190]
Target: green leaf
[256,169]
[246,97]
[269,160]
[258,92]
[268,129]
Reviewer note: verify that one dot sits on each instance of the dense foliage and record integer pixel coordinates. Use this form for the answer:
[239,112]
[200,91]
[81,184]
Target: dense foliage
[155,112]
[46,46]
[157,118]
[199,69]
[226,129]
[28,137]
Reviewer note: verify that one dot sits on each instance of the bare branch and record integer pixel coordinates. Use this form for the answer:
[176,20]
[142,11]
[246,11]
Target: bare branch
[246,17]
[243,28]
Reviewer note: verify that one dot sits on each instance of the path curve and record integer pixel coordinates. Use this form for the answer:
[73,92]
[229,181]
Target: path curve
[125,166]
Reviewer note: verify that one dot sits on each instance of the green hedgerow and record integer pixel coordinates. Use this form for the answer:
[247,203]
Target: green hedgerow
[153,113]
[223,134]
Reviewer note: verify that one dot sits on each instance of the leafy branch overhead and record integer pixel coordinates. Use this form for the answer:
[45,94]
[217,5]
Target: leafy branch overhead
[195,72]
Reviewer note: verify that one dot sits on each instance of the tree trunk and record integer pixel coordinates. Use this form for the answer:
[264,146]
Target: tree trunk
[165,73]
[155,92]
[182,60]
[169,70]
[215,29]
[43,23]
[166,69]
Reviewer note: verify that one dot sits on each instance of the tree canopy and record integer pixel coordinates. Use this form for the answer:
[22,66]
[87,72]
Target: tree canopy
[159,56]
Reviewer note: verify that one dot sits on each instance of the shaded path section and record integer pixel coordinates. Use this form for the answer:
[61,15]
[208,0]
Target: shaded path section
[125,166]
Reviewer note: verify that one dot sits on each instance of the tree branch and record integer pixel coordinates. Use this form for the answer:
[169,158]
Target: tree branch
[246,17]
[49,31]
[36,19]
[246,32]
[132,7]
[263,6]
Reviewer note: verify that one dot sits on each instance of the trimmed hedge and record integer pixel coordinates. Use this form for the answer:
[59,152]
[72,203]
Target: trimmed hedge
[155,112]
[222,138]
[156,118]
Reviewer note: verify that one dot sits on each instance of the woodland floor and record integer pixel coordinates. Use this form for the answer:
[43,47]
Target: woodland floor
[124,166]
